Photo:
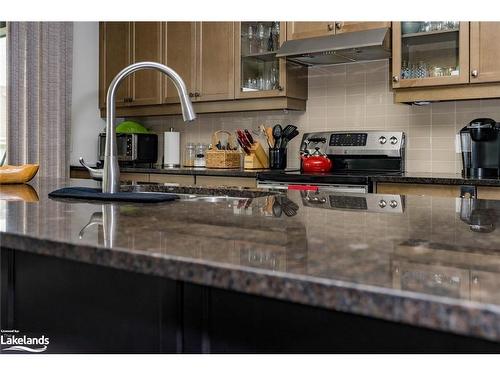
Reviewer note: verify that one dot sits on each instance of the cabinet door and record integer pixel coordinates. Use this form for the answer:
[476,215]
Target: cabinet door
[175,180]
[302,30]
[484,52]
[214,181]
[215,73]
[452,191]
[146,46]
[430,53]
[180,55]
[134,177]
[114,56]
[258,73]
[347,27]
[488,192]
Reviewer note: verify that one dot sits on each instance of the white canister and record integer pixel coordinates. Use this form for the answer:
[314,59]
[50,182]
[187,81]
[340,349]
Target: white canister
[171,149]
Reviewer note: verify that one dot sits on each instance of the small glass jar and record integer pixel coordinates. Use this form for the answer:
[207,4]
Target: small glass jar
[189,155]
[200,160]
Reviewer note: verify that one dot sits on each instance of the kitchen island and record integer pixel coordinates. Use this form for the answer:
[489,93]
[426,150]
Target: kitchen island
[301,272]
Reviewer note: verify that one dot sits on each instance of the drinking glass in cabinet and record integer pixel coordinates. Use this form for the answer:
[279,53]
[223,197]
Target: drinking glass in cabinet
[429,49]
[259,66]
[259,37]
[413,27]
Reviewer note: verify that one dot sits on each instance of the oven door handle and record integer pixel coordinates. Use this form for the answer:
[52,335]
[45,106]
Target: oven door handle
[303,187]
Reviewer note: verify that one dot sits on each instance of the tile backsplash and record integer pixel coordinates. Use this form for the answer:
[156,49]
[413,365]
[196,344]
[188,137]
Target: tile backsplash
[354,96]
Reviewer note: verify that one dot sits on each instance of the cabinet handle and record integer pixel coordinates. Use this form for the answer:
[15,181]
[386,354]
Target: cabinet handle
[395,78]
[197,94]
[191,95]
[331,27]
[339,25]
[474,73]
[280,88]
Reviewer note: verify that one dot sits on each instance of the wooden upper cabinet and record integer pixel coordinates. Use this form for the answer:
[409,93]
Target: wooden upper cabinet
[215,61]
[301,30]
[180,55]
[425,55]
[258,73]
[205,55]
[147,43]
[484,52]
[114,55]
[348,27]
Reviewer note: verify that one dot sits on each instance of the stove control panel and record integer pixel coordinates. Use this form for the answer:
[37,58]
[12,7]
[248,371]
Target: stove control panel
[348,139]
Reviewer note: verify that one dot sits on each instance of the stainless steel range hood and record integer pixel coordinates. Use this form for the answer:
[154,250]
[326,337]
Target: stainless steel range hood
[338,49]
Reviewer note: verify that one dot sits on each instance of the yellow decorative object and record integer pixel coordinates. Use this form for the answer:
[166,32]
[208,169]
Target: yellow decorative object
[17,174]
[18,192]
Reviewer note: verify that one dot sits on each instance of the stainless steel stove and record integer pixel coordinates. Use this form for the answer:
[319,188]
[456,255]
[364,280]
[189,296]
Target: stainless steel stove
[356,155]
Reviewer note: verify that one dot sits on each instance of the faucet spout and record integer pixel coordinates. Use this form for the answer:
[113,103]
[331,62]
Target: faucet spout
[111,172]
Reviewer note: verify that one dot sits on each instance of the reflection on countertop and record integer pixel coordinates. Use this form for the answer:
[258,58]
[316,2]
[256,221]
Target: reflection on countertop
[427,261]
[19,192]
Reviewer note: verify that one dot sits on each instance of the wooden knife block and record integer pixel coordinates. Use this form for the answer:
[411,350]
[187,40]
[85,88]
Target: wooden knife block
[257,159]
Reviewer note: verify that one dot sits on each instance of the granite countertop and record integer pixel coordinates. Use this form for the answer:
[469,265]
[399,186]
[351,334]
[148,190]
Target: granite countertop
[187,171]
[423,264]
[407,177]
[436,178]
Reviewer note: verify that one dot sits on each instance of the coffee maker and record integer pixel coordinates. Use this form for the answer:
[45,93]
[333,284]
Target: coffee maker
[480,143]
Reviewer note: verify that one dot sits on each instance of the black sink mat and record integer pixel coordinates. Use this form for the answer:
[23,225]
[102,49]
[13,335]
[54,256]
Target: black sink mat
[96,194]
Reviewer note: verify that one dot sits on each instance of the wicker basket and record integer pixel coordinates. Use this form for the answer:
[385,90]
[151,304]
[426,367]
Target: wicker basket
[223,159]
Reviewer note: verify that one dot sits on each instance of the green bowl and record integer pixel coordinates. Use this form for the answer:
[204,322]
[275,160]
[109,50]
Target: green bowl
[131,127]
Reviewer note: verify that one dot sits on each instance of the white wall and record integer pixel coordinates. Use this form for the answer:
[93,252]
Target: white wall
[86,121]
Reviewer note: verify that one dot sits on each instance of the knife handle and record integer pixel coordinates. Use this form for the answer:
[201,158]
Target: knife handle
[249,137]
[245,148]
[243,138]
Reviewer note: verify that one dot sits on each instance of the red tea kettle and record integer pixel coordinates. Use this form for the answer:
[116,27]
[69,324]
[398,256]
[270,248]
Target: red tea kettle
[315,162]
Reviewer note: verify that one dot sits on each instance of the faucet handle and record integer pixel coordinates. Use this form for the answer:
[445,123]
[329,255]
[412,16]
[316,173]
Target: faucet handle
[95,218]
[95,173]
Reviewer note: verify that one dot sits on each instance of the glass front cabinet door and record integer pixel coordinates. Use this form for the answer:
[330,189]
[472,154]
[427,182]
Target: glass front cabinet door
[259,73]
[430,53]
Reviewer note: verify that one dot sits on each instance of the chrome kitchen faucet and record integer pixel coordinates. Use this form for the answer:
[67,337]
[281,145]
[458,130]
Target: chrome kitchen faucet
[111,173]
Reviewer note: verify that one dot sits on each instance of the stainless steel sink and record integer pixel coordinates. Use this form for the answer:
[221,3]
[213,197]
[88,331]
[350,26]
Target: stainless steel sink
[198,194]
[200,198]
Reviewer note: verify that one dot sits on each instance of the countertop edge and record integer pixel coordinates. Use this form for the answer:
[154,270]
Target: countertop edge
[186,171]
[433,180]
[436,180]
[377,302]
